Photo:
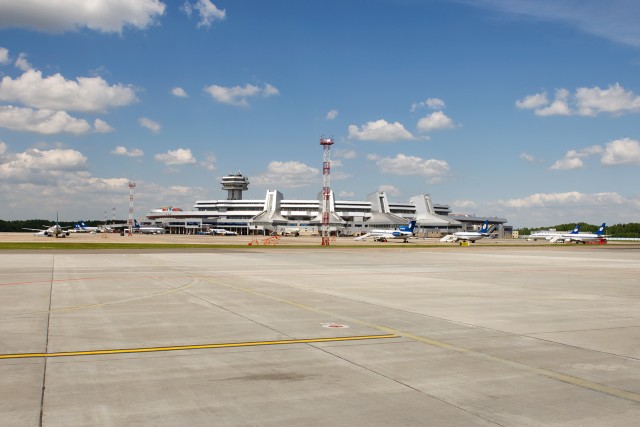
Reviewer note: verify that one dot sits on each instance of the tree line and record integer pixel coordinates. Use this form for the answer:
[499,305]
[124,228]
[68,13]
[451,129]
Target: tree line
[618,230]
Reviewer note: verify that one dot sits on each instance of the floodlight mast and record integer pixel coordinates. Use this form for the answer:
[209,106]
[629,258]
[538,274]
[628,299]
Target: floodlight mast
[132,186]
[326,144]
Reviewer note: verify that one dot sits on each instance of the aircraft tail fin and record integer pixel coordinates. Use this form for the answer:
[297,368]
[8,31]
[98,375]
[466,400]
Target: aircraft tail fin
[485,227]
[602,229]
[576,230]
[409,227]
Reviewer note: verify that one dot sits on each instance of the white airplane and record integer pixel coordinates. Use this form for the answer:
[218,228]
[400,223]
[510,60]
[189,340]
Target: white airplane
[552,235]
[291,231]
[81,227]
[222,232]
[53,231]
[404,232]
[468,236]
[586,237]
[147,229]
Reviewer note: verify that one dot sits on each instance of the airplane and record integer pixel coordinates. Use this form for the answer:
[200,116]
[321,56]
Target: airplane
[146,229]
[53,231]
[586,237]
[83,228]
[468,236]
[404,232]
[291,231]
[222,232]
[552,235]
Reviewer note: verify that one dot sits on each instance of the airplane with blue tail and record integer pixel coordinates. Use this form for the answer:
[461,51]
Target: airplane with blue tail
[404,233]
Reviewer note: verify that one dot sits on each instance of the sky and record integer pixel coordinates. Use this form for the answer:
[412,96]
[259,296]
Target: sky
[525,110]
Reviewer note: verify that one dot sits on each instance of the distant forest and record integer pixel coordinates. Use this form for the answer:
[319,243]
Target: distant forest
[617,230]
[20,225]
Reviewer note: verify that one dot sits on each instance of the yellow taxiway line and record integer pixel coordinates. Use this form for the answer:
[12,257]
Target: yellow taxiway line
[193,347]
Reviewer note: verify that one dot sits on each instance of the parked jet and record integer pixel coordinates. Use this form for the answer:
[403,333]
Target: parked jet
[404,232]
[81,227]
[53,231]
[222,232]
[586,237]
[147,229]
[551,234]
[468,236]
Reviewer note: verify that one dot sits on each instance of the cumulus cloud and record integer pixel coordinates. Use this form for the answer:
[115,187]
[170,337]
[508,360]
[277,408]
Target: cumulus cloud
[38,165]
[390,190]
[45,122]
[22,62]
[179,92]
[238,95]
[124,151]
[292,174]
[3,148]
[432,103]
[434,121]
[573,158]
[332,114]
[4,56]
[209,162]
[614,100]
[181,156]
[622,152]
[101,126]
[402,164]
[86,94]
[347,195]
[207,11]
[109,16]
[380,131]
[145,122]
[573,198]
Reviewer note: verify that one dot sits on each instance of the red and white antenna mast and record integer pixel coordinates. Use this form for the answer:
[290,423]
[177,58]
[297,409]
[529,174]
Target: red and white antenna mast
[326,188]
[132,186]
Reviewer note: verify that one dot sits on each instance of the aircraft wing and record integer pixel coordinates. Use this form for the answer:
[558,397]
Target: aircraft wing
[364,236]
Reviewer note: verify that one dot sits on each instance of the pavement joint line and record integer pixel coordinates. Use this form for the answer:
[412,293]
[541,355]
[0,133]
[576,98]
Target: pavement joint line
[565,378]
[194,347]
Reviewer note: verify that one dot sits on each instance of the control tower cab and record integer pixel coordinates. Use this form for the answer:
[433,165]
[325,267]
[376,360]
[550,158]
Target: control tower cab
[235,184]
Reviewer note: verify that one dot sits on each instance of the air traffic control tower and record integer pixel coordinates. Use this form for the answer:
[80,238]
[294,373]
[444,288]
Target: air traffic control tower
[235,185]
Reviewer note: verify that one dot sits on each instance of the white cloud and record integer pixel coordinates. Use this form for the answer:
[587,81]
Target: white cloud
[432,103]
[179,92]
[614,100]
[145,122]
[101,126]
[86,94]
[572,198]
[181,156]
[290,174]
[559,106]
[531,102]
[332,114]
[3,148]
[58,16]
[529,158]
[464,205]
[573,158]
[615,20]
[622,152]
[380,131]
[123,151]
[434,121]
[390,190]
[39,165]
[402,164]
[208,12]
[4,56]
[209,162]
[238,95]
[344,153]
[45,122]
[22,62]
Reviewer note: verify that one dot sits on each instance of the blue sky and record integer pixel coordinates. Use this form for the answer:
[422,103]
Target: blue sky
[528,110]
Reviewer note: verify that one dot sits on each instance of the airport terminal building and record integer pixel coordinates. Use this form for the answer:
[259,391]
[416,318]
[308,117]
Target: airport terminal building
[275,215]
